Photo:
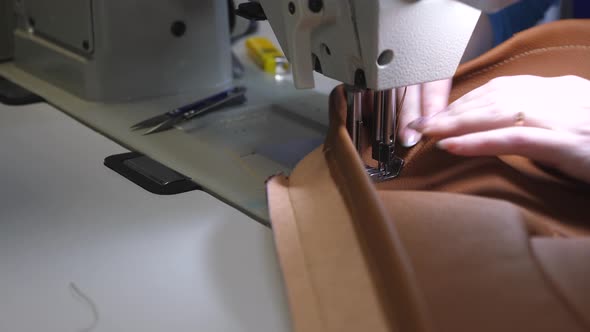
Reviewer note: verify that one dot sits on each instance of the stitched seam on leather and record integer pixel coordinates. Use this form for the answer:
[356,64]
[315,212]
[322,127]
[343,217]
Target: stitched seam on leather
[308,277]
[525,54]
[555,289]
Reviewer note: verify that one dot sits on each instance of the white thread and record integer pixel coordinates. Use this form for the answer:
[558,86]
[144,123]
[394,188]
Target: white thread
[95,317]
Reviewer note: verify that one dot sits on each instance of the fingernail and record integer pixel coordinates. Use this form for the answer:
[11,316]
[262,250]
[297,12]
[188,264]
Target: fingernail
[419,124]
[445,145]
[411,138]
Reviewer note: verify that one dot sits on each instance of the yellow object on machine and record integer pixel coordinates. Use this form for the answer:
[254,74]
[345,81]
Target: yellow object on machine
[267,56]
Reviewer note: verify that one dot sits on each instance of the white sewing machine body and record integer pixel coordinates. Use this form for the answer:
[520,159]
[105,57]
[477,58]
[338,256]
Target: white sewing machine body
[112,51]
[376,44]
[110,63]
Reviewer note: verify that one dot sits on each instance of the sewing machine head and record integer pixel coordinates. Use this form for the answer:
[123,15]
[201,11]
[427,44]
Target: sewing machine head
[373,44]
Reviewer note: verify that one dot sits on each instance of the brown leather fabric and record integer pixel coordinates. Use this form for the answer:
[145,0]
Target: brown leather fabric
[476,270]
[566,265]
[556,49]
[452,244]
[323,265]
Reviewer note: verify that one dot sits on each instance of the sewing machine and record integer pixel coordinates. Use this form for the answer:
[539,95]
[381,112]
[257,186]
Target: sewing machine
[121,60]
[387,44]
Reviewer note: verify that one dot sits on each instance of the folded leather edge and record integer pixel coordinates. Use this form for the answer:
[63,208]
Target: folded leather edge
[291,258]
[389,263]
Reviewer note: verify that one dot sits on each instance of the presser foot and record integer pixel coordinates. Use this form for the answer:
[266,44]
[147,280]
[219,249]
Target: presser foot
[389,166]
[383,135]
[392,171]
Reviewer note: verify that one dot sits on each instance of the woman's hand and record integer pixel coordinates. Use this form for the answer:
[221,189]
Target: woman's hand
[422,100]
[544,119]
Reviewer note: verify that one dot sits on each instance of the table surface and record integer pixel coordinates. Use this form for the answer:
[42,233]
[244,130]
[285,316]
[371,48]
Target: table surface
[148,263]
[186,262]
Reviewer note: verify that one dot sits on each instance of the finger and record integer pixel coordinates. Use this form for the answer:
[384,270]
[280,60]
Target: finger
[539,144]
[486,91]
[482,119]
[435,96]
[477,92]
[477,98]
[410,111]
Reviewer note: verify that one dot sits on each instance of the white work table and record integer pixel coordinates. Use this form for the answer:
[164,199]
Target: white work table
[148,263]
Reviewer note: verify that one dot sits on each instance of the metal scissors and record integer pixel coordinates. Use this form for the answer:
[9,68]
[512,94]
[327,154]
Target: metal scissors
[169,119]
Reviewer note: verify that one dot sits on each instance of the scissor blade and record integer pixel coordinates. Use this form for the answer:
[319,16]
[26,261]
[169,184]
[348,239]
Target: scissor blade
[236,97]
[153,121]
[163,126]
[170,123]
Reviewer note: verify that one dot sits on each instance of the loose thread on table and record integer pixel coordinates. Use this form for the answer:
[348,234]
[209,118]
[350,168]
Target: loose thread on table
[95,316]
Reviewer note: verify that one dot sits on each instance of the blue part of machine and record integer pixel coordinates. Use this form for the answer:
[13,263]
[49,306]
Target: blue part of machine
[517,17]
[581,8]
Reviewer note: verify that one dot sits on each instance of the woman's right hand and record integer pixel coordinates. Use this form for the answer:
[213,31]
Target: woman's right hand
[543,119]
[423,100]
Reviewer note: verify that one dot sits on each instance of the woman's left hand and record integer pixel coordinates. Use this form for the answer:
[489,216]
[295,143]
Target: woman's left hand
[544,119]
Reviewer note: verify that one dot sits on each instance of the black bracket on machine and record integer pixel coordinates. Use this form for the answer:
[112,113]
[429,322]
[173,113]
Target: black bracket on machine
[252,11]
[14,95]
[150,174]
